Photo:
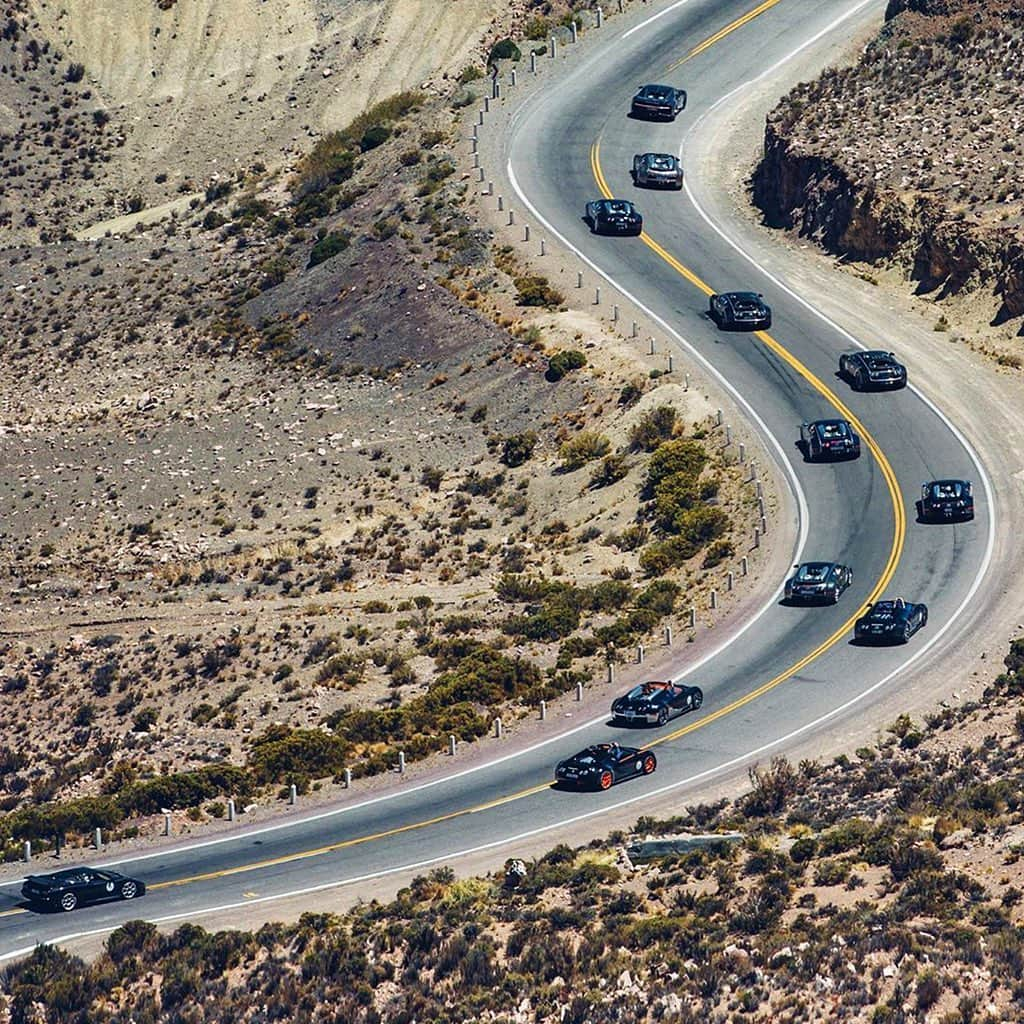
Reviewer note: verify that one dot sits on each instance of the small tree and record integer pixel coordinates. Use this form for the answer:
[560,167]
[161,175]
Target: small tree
[518,448]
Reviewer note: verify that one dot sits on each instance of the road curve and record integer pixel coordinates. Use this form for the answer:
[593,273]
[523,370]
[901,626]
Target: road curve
[795,671]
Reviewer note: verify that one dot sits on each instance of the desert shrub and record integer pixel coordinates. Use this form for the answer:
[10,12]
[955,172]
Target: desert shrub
[537,28]
[185,789]
[331,162]
[610,470]
[330,245]
[557,617]
[374,136]
[583,448]
[654,427]
[772,788]
[674,457]
[534,290]
[660,597]
[282,751]
[503,49]
[518,448]
[804,849]
[832,872]
[431,478]
[717,553]
[562,363]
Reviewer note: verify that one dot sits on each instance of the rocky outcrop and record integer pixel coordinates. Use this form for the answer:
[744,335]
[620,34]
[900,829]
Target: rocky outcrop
[910,157]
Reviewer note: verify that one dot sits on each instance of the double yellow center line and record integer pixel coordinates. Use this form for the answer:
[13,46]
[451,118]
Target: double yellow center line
[722,33]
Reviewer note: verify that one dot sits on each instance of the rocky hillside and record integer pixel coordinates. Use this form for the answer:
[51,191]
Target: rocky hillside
[912,156]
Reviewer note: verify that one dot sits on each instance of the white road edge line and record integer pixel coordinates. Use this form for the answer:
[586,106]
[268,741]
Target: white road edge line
[653,18]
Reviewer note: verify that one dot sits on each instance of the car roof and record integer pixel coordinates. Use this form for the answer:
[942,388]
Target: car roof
[823,424]
[659,89]
[616,204]
[738,296]
[878,354]
[817,565]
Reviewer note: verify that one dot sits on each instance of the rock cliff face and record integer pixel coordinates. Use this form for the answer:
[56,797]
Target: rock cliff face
[912,156]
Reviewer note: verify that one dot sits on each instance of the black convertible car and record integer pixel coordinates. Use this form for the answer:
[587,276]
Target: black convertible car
[829,439]
[945,501]
[887,622]
[658,101]
[866,370]
[70,888]
[613,217]
[656,703]
[604,764]
[742,311]
[657,170]
[818,581]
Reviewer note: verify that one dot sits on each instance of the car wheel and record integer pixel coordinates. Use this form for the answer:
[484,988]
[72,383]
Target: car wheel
[858,382]
[924,619]
[649,764]
[663,716]
[906,632]
[696,700]
[68,902]
[606,780]
[129,890]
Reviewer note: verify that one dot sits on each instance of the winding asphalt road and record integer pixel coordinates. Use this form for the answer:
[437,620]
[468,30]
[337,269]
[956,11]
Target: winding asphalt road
[795,671]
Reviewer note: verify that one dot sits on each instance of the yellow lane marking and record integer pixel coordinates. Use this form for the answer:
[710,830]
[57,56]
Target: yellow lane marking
[899,510]
[345,844]
[722,33]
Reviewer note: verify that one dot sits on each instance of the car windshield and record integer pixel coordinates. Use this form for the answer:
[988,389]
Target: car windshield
[813,571]
[833,429]
[617,208]
[947,489]
[662,162]
[645,690]
[654,92]
[878,358]
[883,610]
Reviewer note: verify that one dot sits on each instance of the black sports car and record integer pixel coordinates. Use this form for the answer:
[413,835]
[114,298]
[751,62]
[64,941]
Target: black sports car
[656,702]
[944,501]
[887,622]
[604,764]
[818,581]
[829,439]
[740,311]
[614,217]
[657,169]
[872,370]
[70,888]
[658,101]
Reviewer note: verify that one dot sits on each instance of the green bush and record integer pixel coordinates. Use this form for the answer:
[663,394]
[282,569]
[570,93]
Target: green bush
[374,136]
[562,363]
[534,290]
[611,469]
[283,751]
[503,49]
[583,448]
[674,457]
[518,448]
[654,427]
[330,245]
[331,162]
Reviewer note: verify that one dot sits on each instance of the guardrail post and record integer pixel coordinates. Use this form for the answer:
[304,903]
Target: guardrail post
[758,489]
[669,363]
[718,417]
[574,30]
[26,851]
[513,76]
[640,654]
[600,17]
[497,728]
[167,824]
[475,143]
[526,232]
[511,217]
[579,691]
[620,6]
[533,63]
[757,537]
[542,247]
[501,203]
[650,346]
[611,672]
[714,599]
[401,762]
[686,382]
[743,452]
[730,579]
[634,330]
[760,506]
[553,48]
[543,710]
[693,617]
[764,525]
[615,314]
[451,745]
[480,171]
[668,636]
[293,794]
[728,436]
[597,296]
[231,810]
[97,839]
[753,470]
[579,278]
[743,565]
[348,778]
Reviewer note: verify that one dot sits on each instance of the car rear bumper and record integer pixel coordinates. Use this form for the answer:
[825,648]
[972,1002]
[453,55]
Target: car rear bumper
[655,113]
